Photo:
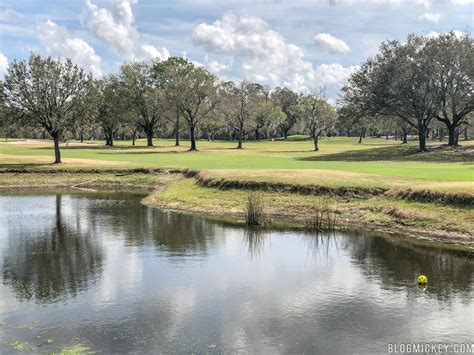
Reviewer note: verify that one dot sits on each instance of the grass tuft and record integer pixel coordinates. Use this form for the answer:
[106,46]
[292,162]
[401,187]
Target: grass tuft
[255,210]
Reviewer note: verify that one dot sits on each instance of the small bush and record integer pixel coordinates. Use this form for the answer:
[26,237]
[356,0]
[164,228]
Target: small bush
[255,210]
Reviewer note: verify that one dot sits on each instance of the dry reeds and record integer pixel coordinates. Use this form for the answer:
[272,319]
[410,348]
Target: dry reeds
[255,210]
[321,217]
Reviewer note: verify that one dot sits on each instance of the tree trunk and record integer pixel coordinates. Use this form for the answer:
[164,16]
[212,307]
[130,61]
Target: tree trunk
[457,133]
[134,137]
[149,137]
[241,136]
[192,136]
[315,141]
[422,139]
[361,135]
[465,134]
[451,135]
[82,137]
[176,133]
[405,136]
[57,153]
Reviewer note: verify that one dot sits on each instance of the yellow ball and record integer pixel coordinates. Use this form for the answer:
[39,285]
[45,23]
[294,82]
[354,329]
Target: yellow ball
[422,279]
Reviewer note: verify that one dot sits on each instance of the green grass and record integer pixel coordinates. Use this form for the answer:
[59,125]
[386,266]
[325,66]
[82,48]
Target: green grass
[377,157]
[411,218]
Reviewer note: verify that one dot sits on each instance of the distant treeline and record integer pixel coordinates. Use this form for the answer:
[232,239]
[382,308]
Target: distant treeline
[423,86]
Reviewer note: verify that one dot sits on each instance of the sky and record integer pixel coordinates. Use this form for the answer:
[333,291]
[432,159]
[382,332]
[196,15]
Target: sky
[300,44]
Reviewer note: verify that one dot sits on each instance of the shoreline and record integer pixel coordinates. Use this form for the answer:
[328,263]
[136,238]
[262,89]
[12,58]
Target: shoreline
[171,190]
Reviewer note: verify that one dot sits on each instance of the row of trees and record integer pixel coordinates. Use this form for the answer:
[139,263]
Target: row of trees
[402,90]
[415,83]
[172,96]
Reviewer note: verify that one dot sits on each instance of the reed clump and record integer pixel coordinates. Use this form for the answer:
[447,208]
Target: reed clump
[255,214]
[320,217]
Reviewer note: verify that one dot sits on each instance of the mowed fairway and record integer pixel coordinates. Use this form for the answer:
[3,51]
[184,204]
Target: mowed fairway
[340,161]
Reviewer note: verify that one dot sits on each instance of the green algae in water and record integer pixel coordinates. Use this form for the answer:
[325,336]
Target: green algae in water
[22,346]
[27,325]
[74,350]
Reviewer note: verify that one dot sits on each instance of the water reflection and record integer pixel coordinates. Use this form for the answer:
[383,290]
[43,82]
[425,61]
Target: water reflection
[55,260]
[255,239]
[127,278]
[397,263]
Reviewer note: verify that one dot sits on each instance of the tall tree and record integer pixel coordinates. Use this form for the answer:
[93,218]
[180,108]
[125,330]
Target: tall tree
[451,62]
[317,115]
[193,90]
[241,103]
[288,101]
[45,92]
[111,108]
[144,97]
[396,83]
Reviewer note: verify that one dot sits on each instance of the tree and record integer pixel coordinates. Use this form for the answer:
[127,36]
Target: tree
[192,90]
[451,62]
[85,113]
[396,83]
[241,103]
[45,92]
[144,97]
[111,109]
[317,115]
[288,101]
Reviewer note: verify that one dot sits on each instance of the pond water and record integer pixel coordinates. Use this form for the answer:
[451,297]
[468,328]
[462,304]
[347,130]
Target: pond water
[102,271]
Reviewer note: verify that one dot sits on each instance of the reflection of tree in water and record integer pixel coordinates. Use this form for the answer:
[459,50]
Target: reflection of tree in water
[56,263]
[181,234]
[178,234]
[399,262]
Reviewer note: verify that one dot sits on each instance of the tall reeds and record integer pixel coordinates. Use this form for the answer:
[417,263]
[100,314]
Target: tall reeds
[255,210]
[320,217]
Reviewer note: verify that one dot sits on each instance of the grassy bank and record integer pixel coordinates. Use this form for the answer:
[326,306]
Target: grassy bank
[104,179]
[288,209]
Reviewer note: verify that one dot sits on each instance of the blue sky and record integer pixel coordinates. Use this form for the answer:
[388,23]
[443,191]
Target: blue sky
[299,44]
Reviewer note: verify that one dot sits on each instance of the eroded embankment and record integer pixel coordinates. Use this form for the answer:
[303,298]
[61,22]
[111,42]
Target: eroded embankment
[426,196]
[412,195]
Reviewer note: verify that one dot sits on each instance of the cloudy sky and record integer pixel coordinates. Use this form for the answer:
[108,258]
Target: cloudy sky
[301,44]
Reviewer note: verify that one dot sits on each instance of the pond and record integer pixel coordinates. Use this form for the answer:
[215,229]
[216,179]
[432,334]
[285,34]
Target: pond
[103,272]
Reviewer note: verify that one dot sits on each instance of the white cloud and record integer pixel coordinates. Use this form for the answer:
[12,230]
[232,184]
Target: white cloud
[265,56]
[10,15]
[3,65]
[59,42]
[218,68]
[333,74]
[430,17]
[116,28]
[457,33]
[332,44]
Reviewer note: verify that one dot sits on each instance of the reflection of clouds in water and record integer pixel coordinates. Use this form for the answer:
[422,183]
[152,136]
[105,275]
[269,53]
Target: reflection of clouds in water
[122,273]
[172,282]
[182,304]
